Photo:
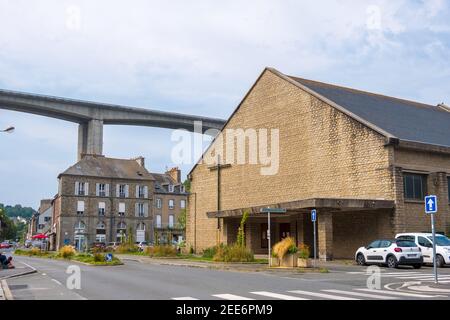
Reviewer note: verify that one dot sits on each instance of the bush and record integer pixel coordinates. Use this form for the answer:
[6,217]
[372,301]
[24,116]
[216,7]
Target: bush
[67,252]
[98,257]
[233,253]
[127,248]
[287,245]
[161,251]
[209,253]
[35,252]
[303,251]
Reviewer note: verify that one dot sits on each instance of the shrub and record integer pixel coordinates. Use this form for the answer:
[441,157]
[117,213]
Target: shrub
[127,248]
[161,251]
[191,250]
[35,252]
[233,253]
[303,251]
[98,257]
[287,245]
[209,253]
[241,230]
[67,252]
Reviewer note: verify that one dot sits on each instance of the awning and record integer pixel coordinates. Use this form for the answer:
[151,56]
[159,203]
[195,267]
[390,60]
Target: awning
[321,204]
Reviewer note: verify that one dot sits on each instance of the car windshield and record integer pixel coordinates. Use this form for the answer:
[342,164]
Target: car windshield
[405,243]
[441,240]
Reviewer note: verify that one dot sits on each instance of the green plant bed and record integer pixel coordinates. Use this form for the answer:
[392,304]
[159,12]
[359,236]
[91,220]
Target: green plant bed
[92,259]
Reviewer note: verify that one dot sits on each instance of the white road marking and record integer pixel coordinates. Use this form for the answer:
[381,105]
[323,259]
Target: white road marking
[184,298]
[54,280]
[397,293]
[321,295]
[227,296]
[277,295]
[429,289]
[360,294]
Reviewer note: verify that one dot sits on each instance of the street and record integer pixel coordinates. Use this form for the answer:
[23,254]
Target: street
[141,281]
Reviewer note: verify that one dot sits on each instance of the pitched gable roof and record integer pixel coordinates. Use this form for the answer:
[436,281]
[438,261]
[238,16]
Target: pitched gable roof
[403,119]
[97,166]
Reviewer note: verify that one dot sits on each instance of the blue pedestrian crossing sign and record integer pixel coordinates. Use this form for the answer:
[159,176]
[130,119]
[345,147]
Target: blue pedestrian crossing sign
[430,204]
[313,215]
[108,257]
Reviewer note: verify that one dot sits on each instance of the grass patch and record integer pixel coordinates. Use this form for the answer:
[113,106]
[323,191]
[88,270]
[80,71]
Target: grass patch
[93,259]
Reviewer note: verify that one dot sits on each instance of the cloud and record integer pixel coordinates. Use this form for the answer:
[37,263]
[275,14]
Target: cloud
[200,57]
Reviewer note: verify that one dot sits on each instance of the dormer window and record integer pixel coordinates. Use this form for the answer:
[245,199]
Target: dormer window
[182,188]
[171,188]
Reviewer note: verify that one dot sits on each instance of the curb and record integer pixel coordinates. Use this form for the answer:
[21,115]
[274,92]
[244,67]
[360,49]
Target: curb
[6,292]
[33,270]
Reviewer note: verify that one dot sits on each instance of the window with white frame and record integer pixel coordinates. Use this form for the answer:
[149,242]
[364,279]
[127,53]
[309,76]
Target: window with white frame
[122,209]
[171,204]
[80,207]
[171,188]
[159,203]
[81,188]
[101,208]
[182,188]
[101,192]
[141,192]
[141,210]
[183,204]
[80,227]
[122,190]
[171,221]
[158,221]
[100,235]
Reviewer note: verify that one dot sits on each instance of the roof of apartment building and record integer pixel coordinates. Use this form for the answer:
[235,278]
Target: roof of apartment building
[99,166]
[402,119]
[162,182]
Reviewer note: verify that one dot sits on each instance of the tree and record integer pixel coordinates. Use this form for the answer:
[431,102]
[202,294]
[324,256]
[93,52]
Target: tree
[187,185]
[7,228]
[241,230]
[182,219]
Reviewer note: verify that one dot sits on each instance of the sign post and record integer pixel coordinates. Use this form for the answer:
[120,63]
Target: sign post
[314,219]
[431,209]
[268,211]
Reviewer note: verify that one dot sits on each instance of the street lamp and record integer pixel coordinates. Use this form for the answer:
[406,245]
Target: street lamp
[9,130]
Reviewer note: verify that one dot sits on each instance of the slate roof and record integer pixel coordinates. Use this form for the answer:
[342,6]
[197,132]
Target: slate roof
[97,166]
[162,182]
[403,119]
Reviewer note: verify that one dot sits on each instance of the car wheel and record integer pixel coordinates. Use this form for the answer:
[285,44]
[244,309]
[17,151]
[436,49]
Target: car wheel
[417,266]
[392,262]
[360,260]
[439,261]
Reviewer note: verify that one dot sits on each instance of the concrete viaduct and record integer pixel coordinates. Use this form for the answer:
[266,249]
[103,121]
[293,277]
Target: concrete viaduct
[91,116]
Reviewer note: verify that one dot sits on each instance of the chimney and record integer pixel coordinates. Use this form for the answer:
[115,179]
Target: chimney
[140,161]
[175,173]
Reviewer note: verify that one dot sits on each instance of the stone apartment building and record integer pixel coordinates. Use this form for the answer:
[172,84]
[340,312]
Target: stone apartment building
[102,200]
[364,161]
[44,220]
[169,203]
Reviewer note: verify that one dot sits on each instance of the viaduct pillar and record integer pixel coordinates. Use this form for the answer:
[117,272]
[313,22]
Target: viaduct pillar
[90,138]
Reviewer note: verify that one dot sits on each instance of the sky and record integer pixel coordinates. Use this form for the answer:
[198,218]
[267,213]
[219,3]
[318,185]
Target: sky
[196,57]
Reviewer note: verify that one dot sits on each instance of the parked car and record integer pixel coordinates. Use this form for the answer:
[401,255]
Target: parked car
[425,243]
[391,253]
[5,245]
[113,245]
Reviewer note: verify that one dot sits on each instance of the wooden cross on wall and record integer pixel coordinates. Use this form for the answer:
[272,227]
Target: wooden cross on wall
[219,168]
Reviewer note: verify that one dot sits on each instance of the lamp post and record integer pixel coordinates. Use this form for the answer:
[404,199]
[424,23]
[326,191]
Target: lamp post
[8,130]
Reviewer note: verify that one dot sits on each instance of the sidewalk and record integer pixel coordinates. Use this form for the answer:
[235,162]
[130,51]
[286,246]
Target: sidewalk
[21,269]
[242,267]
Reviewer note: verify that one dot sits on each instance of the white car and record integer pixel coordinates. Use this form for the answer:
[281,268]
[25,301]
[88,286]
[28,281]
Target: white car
[391,253]
[425,243]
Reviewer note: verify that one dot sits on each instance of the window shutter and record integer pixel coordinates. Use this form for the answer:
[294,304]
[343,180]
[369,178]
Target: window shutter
[127,191]
[146,210]
[146,192]
[136,209]
[137,192]
[77,186]
[86,189]
[107,189]
[117,190]
[97,189]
